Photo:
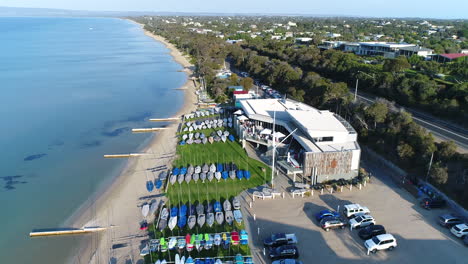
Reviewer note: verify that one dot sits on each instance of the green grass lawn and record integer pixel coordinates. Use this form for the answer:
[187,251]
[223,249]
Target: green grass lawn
[218,152]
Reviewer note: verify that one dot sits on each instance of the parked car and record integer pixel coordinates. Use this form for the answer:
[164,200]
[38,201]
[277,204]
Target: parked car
[449,220]
[429,203]
[287,261]
[324,213]
[280,239]
[350,210]
[371,231]
[380,242]
[460,230]
[284,252]
[361,221]
[331,222]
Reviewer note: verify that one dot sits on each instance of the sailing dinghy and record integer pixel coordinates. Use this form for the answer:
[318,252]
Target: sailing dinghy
[238,216]
[145,210]
[210,176]
[195,177]
[229,217]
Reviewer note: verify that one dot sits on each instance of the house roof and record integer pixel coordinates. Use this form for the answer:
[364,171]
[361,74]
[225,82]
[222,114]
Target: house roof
[416,48]
[453,55]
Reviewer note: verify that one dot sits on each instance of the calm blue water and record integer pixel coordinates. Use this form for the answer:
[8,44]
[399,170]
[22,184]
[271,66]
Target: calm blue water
[70,90]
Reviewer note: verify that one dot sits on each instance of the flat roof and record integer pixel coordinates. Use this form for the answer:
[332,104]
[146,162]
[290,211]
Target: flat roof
[317,120]
[386,44]
[416,48]
[310,121]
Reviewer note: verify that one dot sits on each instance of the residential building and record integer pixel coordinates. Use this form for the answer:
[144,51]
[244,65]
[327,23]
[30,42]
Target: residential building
[448,57]
[416,50]
[351,47]
[242,95]
[331,44]
[303,40]
[386,49]
[276,37]
[323,145]
[289,35]
[333,35]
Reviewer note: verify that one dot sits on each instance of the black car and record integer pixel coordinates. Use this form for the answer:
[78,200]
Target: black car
[371,231]
[284,252]
[429,203]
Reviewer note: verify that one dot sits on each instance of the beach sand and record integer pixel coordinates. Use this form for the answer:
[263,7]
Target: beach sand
[120,205]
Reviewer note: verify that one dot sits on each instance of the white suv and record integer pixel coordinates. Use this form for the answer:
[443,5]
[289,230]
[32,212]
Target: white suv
[351,209]
[380,242]
[460,230]
[361,221]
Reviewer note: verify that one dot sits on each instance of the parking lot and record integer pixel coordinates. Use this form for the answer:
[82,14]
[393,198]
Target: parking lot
[420,239]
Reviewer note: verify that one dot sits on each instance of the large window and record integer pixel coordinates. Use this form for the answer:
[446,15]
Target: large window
[323,139]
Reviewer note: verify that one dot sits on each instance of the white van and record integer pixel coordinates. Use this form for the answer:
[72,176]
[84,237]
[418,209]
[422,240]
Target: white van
[351,210]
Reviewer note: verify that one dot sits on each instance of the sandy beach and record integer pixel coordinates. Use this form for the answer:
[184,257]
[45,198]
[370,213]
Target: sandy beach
[119,207]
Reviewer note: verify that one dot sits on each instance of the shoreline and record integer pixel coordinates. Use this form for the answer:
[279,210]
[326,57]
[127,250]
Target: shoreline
[119,203]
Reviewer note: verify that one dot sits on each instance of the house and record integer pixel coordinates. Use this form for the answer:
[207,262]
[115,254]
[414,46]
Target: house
[416,50]
[322,143]
[289,35]
[328,44]
[242,95]
[234,41]
[333,35]
[351,47]
[236,88]
[276,37]
[448,57]
[303,40]
[386,49]
[292,24]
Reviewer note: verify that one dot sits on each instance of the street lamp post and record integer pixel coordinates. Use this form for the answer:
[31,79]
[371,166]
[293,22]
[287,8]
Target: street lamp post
[357,83]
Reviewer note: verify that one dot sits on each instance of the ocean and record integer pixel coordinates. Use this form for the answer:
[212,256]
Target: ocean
[71,89]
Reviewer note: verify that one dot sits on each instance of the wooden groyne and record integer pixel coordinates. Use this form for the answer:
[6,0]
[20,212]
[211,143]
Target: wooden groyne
[130,155]
[66,232]
[170,119]
[148,130]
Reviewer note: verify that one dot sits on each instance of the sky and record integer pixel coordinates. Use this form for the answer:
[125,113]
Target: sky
[374,8]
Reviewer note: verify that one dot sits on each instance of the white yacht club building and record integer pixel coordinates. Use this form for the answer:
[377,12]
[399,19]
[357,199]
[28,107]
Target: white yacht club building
[325,144]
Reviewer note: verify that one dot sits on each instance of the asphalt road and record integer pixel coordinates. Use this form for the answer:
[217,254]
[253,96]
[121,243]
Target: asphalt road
[439,128]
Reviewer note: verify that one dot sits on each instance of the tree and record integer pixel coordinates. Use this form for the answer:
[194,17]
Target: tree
[405,151]
[396,65]
[431,68]
[446,149]
[378,112]
[233,79]
[439,174]
[247,83]
[415,59]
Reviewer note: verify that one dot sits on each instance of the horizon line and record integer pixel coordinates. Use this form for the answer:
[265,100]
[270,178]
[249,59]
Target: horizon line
[205,13]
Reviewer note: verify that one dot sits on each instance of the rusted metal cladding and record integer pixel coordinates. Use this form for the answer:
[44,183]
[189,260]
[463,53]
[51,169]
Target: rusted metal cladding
[328,163]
